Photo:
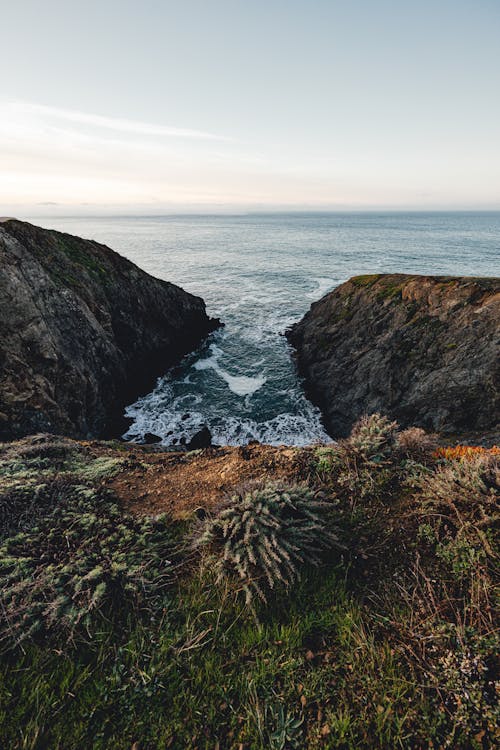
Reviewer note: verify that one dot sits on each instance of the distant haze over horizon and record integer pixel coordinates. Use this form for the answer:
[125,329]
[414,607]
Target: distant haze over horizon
[115,107]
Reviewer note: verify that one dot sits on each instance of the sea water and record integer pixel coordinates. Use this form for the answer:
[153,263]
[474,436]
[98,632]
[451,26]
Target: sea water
[260,273]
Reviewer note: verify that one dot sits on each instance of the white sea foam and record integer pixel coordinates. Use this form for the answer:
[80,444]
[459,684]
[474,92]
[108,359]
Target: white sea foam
[241,385]
[323,285]
[175,419]
[284,429]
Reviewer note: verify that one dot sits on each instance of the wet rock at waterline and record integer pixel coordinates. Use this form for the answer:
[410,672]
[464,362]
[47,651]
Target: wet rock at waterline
[202,439]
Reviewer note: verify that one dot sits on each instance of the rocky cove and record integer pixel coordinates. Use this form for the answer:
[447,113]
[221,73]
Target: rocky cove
[335,595]
[84,332]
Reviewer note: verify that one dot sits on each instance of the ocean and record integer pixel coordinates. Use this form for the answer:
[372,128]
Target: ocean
[260,273]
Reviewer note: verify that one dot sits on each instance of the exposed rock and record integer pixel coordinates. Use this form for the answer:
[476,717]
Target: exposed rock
[150,438]
[201,439]
[424,350]
[83,331]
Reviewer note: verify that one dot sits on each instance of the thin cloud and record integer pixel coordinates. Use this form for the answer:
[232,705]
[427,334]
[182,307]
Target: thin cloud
[116,124]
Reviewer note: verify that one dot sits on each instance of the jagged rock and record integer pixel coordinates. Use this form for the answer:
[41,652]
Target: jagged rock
[424,350]
[83,331]
[201,439]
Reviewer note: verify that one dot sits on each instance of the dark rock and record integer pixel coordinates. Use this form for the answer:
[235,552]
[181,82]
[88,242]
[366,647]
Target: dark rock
[83,332]
[150,438]
[424,350]
[245,451]
[201,439]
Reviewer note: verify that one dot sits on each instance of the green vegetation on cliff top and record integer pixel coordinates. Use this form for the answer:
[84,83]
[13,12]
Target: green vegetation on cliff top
[121,631]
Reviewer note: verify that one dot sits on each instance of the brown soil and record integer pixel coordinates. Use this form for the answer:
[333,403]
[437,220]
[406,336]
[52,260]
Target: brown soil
[177,483]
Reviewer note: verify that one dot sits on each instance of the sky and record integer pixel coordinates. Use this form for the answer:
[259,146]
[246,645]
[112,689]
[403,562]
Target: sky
[151,106]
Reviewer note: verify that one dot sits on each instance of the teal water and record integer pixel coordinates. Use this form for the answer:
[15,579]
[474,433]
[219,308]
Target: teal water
[259,274]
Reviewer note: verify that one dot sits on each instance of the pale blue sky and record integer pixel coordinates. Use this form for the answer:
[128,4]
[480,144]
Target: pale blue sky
[155,105]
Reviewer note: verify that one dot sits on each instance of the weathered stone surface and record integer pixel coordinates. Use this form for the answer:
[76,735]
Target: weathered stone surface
[83,331]
[424,350]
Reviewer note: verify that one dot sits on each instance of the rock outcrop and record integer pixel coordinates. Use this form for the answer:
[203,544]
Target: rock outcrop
[83,331]
[424,350]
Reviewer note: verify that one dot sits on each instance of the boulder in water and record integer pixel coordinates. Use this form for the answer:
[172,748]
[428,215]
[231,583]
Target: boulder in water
[150,438]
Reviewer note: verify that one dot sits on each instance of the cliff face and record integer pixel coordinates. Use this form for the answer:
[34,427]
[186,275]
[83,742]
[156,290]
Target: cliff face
[424,350]
[83,331]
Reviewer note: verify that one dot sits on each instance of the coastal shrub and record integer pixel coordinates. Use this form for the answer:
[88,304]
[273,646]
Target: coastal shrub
[416,444]
[458,511]
[37,473]
[40,453]
[41,447]
[262,536]
[85,558]
[466,490]
[360,465]
[373,436]
[376,459]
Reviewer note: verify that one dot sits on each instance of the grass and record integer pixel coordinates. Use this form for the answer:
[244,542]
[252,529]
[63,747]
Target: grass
[366,279]
[391,292]
[77,252]
[390,644]
[181,683]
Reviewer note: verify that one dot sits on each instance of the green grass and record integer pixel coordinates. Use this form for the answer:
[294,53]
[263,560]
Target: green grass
[75,250]
[390,292]
[206,674]
[365,280]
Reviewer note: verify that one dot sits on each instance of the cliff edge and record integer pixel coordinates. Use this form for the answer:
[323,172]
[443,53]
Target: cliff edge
[424,350]
[83,332]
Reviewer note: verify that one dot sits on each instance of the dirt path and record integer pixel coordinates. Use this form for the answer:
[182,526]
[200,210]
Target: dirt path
[180,482]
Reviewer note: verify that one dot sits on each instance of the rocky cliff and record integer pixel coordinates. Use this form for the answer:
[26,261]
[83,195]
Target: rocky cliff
[83,331]
[424,350]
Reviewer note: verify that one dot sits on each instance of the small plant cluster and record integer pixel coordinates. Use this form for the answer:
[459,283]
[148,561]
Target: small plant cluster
[453,583]
[459,501]
[374,459]
[374,437]
[36,474]
[469,690]
[465,451]
[263,536]
[82,558]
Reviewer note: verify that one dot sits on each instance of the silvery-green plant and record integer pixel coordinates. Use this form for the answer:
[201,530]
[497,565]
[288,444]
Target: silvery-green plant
[86,557]
[374,436]
[262,536]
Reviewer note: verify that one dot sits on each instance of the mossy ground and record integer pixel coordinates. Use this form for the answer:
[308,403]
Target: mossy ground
[381,647]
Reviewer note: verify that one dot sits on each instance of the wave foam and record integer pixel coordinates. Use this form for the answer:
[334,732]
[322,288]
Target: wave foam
[241,385]
[176,420]
[323,285]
